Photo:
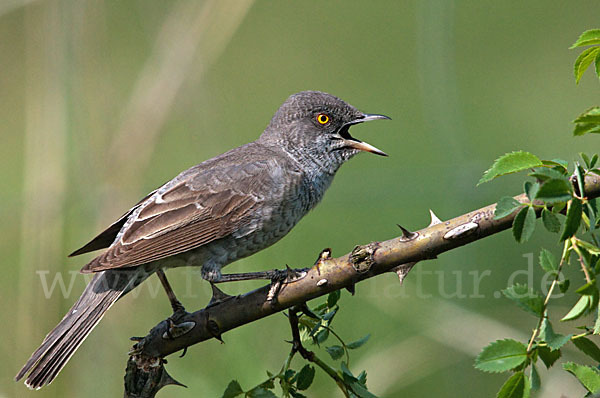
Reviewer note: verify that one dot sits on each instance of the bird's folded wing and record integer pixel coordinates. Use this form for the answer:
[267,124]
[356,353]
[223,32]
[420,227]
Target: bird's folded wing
[183,215]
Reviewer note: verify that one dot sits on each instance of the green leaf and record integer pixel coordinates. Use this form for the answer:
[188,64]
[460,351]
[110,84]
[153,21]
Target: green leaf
[589,289]
[597,66]
[579,309]
[587,38]
[586,159]
[506,206]
[546,173]
[501,355]
[588,347]
[586,128]
[260,392]
[305,377]
[551,221]
[548,356]
[517,386]
[333,298]
[597,324]
[329,315]
[583,61]
[548,261]
[593,161]
[587,122]
[587,246]
[233,390]
[335,351]
[555,190]
[586,375]
[557,162]
[535,378]
[524,224]
[554,340]
[510,163]
[358,343]
[574,210]
[362,378]
[525,298]
[564,285]
[531,189]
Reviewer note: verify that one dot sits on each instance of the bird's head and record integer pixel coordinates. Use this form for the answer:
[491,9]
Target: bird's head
[316,125]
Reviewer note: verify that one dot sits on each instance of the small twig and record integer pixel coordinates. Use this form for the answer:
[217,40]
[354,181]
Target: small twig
[536,331]
[309,355]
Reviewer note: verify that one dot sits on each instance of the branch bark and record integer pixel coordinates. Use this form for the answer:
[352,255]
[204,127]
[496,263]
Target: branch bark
[328,274]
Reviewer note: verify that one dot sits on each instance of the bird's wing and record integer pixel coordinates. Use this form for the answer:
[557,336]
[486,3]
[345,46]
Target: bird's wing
[195,208]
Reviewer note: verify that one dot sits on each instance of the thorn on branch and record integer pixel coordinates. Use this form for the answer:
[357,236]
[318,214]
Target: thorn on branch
[434,219]
[406,234]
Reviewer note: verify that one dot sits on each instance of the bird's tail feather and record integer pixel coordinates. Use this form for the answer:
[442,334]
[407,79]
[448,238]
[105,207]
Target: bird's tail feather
[61,343]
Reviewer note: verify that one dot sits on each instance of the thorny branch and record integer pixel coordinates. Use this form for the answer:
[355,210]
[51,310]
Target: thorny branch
[145,366]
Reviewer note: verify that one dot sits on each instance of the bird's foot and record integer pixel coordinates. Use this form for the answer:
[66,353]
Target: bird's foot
[283,277]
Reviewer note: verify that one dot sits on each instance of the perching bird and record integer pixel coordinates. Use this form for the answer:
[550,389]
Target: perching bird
[212,214]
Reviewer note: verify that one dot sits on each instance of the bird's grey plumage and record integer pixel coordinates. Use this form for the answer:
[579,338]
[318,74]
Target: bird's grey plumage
[212,214]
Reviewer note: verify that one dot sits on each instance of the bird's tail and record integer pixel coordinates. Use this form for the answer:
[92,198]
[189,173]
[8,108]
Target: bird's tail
[60,344]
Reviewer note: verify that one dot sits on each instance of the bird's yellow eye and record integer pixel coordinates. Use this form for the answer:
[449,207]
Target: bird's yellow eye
[322,118]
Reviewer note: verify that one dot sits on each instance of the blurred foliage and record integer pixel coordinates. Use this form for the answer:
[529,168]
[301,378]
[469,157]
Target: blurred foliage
[103,101]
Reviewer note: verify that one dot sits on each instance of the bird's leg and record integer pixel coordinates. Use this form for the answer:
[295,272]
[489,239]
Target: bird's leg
[277,278]
[175,304]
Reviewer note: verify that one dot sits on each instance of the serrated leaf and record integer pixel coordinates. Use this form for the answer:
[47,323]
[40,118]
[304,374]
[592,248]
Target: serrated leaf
[260,392]
[524,224]
[574,210]
[548,261]
[554,340]
[583,61]
[557,162]
[587,38]
[535,378]
[510,163]
[555,190]
[587,122]
[335,351]
[548,356]
[333,297]
[586,128]
[587,376]
[517,386]
[501,355]
[550,221]
[579,309]
[305,377]
[588,347]
[525,298]
[546,173]
[233,390]
[531,189]
[358,343]
[506,206]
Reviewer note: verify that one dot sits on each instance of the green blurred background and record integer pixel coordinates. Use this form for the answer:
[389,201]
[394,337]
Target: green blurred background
[102,101]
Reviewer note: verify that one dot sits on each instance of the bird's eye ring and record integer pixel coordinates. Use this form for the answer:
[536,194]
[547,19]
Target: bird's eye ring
[322,118]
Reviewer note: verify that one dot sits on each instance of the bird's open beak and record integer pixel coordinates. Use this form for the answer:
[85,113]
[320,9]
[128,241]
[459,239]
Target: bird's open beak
[358,144]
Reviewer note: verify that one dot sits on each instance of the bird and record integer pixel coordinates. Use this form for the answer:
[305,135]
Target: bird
[221,210]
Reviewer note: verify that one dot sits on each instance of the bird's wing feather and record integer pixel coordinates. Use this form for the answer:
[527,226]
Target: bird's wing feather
[192,210]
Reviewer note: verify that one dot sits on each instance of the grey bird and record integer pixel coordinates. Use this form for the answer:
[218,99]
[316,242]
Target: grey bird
[212,214]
